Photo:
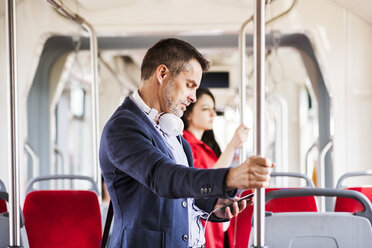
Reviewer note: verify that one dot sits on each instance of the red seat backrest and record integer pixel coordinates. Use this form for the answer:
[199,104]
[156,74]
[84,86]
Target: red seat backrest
[350,205]
[63,218]
[291,204]
[244,221]
[3,207]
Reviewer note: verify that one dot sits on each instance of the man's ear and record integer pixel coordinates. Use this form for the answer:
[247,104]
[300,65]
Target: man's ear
[162,73]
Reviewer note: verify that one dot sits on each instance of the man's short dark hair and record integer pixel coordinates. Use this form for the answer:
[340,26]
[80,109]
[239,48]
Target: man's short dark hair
[173,53]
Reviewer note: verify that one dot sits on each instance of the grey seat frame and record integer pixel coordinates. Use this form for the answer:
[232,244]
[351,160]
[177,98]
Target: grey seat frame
[315,229]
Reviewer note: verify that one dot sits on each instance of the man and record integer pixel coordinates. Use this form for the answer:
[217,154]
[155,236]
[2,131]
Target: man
[157,195]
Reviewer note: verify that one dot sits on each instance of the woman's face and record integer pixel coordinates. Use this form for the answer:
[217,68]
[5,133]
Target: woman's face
[203,113]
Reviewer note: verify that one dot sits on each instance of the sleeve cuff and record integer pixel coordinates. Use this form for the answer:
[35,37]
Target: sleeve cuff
[229,194]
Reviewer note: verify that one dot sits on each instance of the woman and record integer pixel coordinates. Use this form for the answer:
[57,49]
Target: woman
[198,121]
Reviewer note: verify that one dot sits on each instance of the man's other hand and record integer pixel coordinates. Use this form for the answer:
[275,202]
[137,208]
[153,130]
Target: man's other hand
[228,212]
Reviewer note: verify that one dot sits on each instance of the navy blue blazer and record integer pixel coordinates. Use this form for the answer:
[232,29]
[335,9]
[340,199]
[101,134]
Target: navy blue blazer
[147,188]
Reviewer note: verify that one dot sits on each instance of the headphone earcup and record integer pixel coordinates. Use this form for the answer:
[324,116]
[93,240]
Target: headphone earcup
[171,124]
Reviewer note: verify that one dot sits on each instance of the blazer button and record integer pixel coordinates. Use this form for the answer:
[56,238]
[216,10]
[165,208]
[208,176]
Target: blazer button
[185,237]
[202,190]
[184,204]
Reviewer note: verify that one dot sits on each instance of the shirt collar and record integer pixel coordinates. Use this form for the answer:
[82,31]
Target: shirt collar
[151,112]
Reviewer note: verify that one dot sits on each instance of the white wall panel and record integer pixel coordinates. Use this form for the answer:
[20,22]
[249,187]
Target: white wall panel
[358,102]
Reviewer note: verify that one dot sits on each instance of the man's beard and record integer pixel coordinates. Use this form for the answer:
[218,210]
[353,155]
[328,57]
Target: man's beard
[167,93]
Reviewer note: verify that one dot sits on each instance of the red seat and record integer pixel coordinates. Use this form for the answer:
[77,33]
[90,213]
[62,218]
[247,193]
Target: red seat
[291,204]
[243,226]
[351,205]
[244,220]
[63,218]
[3,207]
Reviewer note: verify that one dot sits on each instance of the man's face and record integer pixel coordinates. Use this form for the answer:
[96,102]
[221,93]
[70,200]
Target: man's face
[179,91]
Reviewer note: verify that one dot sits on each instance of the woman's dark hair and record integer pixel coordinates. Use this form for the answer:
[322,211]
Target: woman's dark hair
[173,53]
[208,135]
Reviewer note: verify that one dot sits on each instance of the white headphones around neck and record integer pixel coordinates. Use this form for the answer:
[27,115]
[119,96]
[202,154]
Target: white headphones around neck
[169,123]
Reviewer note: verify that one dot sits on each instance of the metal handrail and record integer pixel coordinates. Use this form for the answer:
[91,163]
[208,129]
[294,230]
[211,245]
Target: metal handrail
[321,174]
[367,211]
[117,77]
[352,174]
[243,94]
[94,86]
[29,186]
[34,158]
[283,130]
[309,183]
[259,95]
[2,186]
[95,103]
[323,154]
[13,159]
[59,169]
[242,89]
[307,156]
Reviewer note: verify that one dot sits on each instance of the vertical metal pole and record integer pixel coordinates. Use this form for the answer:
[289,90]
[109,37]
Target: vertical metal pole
[321,173]
[281,160]
[11,43]
[243,91]
[243,97]
[308,169]
[95,102]
[94,86]
[35,160]
[259,74]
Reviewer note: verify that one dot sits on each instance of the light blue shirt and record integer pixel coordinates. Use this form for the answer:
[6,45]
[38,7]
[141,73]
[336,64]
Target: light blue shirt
[196,229]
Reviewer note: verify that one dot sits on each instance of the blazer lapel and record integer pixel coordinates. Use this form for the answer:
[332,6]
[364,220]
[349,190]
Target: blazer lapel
[157,138]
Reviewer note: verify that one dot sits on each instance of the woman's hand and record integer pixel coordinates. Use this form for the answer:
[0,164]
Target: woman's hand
[240,136]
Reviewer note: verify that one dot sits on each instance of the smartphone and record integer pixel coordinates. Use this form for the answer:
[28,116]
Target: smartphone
[241,199]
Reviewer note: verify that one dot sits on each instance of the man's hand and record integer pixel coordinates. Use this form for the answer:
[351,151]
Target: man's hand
[233,210]
[252,173]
